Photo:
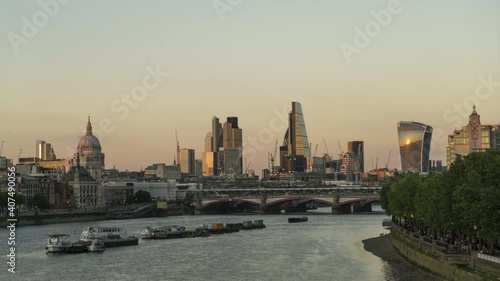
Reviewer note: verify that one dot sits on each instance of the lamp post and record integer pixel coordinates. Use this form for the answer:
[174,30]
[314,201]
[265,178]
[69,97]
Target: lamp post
[475,238]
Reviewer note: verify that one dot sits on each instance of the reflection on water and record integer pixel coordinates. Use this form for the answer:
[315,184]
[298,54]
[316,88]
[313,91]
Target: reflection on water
[327,247]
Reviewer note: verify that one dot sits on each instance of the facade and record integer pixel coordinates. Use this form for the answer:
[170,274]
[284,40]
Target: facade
[414,145]
[296,142]
[358,148]
[198,164]
[87,192]
[91,156]
[473,137]
[231,157]
[186,161]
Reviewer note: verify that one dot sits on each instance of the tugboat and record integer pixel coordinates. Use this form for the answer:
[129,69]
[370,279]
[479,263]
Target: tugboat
[57,243]
[112,236]
[297,219]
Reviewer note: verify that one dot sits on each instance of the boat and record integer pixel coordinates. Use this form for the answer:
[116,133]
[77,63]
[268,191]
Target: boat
[297,219]
[164,232]
[97,245]
[256,224]
[220,228]
[56,243]
[111,236]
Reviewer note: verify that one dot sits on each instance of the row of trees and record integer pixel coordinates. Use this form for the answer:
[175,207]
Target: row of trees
[464,199]
[40,200]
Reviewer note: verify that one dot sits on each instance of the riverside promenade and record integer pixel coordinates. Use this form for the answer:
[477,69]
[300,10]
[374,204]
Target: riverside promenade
[443,260]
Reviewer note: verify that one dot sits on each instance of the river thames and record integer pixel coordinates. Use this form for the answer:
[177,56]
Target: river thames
[327,247]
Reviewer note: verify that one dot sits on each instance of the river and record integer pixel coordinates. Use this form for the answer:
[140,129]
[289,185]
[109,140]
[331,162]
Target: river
[327,247]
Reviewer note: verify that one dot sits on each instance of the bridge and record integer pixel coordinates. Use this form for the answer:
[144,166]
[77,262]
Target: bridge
[340,203]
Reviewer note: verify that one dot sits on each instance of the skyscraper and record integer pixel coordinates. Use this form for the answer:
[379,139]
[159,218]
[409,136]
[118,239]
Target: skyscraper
[223,148]
[186,161]
[358,148]
[414,145]
[298,152]
[232,154]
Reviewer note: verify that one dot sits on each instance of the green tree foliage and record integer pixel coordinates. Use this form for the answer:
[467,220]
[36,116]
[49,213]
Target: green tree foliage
[20,199]
[466,195]
[40,200]
[142,196]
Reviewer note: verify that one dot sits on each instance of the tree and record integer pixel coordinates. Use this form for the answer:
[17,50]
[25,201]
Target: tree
[142,196]
[40,200]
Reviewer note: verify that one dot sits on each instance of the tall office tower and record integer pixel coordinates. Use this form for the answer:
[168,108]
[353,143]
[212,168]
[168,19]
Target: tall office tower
[213,141]
[358,148]
[298,144]
[232,134]
[296,140]
[40,149]
[44,150]
[414,145]
[186,161]
[216,134]
[231,157]
[473,137]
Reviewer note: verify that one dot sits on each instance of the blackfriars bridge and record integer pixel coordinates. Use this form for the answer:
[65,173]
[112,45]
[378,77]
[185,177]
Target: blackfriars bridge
[343,200]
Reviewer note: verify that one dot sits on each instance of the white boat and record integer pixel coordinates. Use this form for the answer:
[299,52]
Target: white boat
[57,243]
[112,236]
[97,245]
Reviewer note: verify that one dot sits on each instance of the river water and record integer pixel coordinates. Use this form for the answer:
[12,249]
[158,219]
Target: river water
[327,247]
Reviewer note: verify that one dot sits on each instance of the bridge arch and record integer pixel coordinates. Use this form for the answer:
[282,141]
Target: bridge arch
[229,200]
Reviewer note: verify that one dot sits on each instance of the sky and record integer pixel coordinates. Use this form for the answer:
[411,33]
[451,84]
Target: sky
[143,69]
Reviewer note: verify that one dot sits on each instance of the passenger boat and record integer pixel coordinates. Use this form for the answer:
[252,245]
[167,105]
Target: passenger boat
[165,232]
[97,245]
[297,219]
[111,236]
[57,243]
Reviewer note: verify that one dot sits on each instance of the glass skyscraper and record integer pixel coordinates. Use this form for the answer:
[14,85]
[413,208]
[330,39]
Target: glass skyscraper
[298,144]
[414,145]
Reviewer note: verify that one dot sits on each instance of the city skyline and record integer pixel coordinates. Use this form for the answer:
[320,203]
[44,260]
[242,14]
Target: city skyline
[197,66]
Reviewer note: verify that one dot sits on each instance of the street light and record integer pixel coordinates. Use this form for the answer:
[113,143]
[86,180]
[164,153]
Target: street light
[475,238]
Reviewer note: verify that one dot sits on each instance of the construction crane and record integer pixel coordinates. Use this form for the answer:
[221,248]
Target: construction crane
[327,153]
[389,160]
[19,156]
[1,146]
[248,166]
[273,156]
[340,157]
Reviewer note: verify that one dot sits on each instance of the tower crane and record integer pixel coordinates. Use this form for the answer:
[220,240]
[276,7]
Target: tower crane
[1,146]
[389,160]
[19,156]
[273,156]
[327,153]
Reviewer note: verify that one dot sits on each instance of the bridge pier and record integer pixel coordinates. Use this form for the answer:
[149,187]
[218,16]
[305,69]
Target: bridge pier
[342,209]
[363,208]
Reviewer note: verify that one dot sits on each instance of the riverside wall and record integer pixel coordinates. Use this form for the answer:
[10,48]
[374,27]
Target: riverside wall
[433,257]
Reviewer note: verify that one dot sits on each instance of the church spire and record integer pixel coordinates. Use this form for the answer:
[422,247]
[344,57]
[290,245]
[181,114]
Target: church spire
[89,128]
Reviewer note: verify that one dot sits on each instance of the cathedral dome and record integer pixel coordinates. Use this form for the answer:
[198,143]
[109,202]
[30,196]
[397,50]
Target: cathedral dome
[89,140]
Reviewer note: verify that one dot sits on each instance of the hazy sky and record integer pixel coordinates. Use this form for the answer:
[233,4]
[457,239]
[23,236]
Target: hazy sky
[251,60]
